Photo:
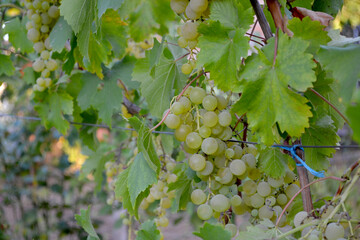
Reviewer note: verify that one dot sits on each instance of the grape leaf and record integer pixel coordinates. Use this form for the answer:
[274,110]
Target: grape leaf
[353,113]
[6,66]
[17,35]
[183,190]
[145,143]
[136,184]
[148,231]
[329,90]
[311,31]
[159,83]
[267,98]
[29,75]
[80,15]
[95,164]
[123,70]
[213,232]
[149,16]
[331,7]
[98,54]
[114,32]
[321,132]
[340,61]
[52,108]
[273,162]
[103,5]
[231,14]
[60,33]
[221,54]
[83,219]
[106,100]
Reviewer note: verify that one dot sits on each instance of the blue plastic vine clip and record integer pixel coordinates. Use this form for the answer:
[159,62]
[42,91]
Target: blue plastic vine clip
[292,150]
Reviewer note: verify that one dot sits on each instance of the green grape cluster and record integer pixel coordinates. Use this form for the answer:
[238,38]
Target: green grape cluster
[335,230]
[230,175]
[137,49]
[112,169]
[159,191]
[42,15]
[193,9]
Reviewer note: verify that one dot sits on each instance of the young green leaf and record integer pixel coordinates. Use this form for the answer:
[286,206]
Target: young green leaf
[17,35]
[6,65]
[148,231]
[273,163]
[213,232]
[60,33]
[83,219]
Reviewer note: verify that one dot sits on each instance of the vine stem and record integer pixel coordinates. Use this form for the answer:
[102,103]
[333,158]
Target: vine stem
[299,228]
[265,27]
[181,57]
[16,53]
[253,35]
[330,104]
[302,189]
[177,98]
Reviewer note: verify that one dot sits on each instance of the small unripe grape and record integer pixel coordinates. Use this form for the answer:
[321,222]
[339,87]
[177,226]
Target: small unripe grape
[33,34]
[209,103]
[192,44]
[36,4]
[237,167]
[231,228]
[198,196]
[197,162]
[291,190]
[36,18]
[254,212]
[209,146]
[45,5]
[182,42]
[177,108]
[197,94]
[186,103]
[204,212]
[226,134]
[225,175]
[276,183]
[39,47]
[47,43]
[45,55]
[289,177]
[250,160]
[198,5]
[229,153]
[225,118]
[38,65]
[189,30]
[178,6]
[44,29]
[163,221]
[220,203]
[263,189]
[236,201]
[45,73]
[45,19]
[54,12]
[265,212]
[299,218]
[147,44]
[209,167]
[257,201]
[193,140]
[224,190]
[281,199]
[186,68]
[190,14]
[334,231]
[204,131]
[41,82]
[40,88]
[51,64]
[249,187]
[270,201]
[29,25]
[210,119]
[182,131]
[172,121]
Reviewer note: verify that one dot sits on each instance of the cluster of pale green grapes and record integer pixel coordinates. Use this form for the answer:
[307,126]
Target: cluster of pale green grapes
[334,230]
[193,9]
[229,173]
[159,191]
[42,15]
[112,169]
[188,37]
[138,48]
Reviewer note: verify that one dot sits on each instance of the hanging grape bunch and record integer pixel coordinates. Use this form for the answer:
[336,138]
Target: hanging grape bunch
[42,17]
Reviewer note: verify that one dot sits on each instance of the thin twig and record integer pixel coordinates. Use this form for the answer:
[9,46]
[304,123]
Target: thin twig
[181,57]
[10,5]
[330,104]
[16,53]
[260,43]
[306,186]
[253,35]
